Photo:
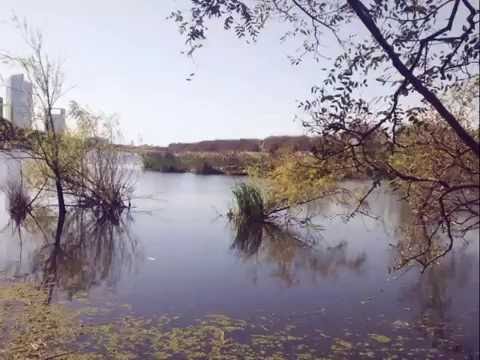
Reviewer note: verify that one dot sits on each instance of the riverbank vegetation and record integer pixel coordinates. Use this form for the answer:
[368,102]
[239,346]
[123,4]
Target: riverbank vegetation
[279,185]
[202,163]
[229,157]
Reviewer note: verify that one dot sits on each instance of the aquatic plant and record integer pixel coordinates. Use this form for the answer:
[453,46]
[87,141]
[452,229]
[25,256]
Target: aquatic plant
[249,204]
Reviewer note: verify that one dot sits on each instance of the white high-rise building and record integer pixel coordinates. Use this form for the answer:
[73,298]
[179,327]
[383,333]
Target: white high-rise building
[59,121]
[20,101]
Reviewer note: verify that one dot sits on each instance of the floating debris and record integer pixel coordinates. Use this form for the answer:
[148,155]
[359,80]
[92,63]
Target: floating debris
[380,338]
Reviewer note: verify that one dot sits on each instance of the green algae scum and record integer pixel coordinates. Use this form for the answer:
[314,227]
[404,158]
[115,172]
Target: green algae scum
[35,330]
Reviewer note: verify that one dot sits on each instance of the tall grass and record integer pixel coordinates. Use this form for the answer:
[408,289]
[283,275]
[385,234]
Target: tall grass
[249,204]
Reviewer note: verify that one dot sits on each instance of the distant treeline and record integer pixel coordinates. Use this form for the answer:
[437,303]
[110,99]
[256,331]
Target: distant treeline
[270,144]
[205,163]
[232,157]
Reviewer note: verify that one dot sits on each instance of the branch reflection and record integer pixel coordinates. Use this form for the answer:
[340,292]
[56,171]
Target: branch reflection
[91,251]
[292,253]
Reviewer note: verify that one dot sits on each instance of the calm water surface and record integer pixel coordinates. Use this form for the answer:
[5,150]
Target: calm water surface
[176,254]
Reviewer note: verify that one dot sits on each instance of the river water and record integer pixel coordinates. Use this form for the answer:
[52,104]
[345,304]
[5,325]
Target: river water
[175,253]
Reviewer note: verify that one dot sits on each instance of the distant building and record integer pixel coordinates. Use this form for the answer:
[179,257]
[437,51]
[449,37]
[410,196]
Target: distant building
[19,97]
[59,121]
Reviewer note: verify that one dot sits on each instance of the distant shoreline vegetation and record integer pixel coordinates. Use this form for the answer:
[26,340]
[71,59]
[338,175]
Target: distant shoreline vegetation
[204,163]
[221,157]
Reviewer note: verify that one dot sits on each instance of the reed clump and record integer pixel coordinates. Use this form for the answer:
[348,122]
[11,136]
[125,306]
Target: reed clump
[250,205]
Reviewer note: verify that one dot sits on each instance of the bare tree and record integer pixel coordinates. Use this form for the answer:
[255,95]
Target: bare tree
[83,165]
[47,78]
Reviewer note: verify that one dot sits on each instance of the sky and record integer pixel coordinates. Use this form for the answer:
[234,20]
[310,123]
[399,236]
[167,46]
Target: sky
[124,57]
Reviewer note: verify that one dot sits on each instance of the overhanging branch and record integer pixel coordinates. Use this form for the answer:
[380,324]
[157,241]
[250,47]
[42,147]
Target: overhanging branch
[362,12]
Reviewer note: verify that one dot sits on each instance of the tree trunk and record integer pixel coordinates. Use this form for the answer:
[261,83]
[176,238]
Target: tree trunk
[62,210]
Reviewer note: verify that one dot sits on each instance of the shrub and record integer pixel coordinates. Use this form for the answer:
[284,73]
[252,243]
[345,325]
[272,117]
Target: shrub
[19,202]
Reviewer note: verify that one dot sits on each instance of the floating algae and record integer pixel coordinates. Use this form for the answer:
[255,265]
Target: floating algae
[32,329]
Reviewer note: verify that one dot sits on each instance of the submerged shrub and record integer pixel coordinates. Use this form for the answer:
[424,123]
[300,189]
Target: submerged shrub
[19,202]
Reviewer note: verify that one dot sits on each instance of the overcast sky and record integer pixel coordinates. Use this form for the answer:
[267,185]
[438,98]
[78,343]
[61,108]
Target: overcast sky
[124,57]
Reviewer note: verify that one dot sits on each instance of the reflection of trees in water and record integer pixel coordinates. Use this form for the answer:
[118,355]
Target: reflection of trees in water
[13,268]
[434,294]
[413,239]
[25,234]
[421,243]
[292,252]
[90,251]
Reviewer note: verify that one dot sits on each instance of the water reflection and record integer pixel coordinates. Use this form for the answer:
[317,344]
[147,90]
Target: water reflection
[443,303]
[91,252]
[292,252]
[333,279]
[437,295]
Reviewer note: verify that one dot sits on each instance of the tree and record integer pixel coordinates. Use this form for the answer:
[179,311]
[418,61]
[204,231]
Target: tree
[46,77]
[85,163]
[421,53]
